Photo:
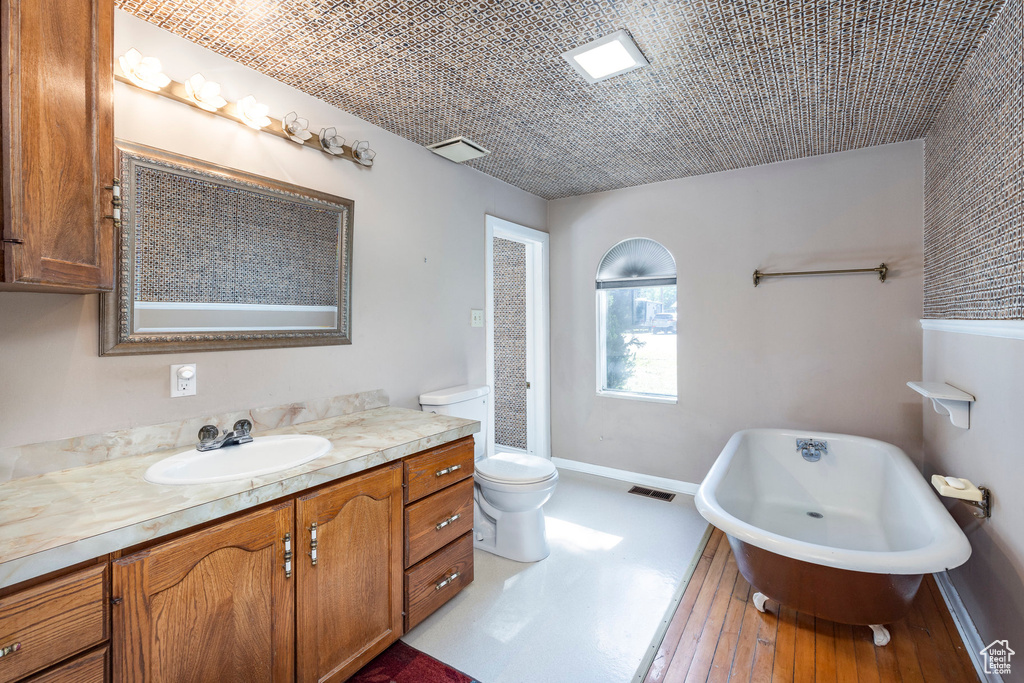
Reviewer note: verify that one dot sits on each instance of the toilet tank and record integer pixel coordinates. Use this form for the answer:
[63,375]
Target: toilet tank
[468,401]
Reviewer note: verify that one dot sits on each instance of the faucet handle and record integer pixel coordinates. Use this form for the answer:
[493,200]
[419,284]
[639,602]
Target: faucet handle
[208,433]
[242,427]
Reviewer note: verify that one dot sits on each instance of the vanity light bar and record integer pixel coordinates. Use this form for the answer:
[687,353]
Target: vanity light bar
[173,90]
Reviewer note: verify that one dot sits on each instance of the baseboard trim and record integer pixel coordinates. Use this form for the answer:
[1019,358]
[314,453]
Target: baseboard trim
[1005,329]
[965,625]
[673,485]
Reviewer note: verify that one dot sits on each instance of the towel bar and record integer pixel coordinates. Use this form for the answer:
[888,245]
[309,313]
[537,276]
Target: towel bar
[882,270]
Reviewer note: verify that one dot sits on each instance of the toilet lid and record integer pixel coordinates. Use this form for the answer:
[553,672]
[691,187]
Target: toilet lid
[515,468]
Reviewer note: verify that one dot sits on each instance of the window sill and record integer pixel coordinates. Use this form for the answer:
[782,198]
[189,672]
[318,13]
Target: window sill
[649,398]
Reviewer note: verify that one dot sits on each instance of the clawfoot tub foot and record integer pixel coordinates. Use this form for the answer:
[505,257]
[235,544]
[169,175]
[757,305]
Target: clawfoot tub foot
[881,634]
[759,600]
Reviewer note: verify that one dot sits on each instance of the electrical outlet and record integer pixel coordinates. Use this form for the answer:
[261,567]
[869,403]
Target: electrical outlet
[183,380]
[476,317]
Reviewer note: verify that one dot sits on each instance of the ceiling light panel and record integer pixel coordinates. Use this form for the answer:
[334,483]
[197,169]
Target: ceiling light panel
[606,57]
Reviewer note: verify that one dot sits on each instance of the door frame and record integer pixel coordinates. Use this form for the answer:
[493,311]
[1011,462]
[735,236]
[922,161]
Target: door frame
[538,354]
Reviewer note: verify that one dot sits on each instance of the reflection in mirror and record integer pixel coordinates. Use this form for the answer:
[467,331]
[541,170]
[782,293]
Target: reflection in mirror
[211,258]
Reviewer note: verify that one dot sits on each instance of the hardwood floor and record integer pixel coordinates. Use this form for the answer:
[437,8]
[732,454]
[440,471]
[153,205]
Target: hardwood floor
[718,635]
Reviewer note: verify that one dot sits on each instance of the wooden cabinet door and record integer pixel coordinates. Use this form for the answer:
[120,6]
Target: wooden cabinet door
[58,146]
[350,598]
[215,605]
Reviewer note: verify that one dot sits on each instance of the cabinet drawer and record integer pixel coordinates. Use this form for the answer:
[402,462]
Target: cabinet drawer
[434,469]
[429,584]
[53,621]
[87,668]
[429,523]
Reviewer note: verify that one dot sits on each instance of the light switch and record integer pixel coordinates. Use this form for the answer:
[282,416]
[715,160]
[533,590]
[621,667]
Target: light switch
[476,317]
[183,380]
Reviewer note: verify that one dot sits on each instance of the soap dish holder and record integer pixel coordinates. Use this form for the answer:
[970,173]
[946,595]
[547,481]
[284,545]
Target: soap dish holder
[975,496]
[947,400]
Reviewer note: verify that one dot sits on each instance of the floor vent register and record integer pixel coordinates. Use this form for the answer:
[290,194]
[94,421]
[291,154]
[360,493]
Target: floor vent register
[652,493]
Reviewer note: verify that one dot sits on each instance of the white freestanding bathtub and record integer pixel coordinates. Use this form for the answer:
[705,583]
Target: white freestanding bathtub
[847,537]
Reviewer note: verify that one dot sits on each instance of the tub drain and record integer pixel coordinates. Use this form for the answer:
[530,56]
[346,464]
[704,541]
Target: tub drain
[816,515]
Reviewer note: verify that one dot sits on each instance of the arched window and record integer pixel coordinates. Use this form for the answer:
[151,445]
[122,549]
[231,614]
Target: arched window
[636,321]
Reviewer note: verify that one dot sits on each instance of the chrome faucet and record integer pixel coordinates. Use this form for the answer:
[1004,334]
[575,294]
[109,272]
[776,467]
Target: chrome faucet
[811,449]
[210,441]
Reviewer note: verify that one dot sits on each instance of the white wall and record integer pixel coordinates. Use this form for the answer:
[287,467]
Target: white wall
[418,270]
[824,353]
[991,583]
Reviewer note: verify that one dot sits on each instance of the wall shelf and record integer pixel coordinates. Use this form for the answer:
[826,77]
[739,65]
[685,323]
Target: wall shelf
[947,400]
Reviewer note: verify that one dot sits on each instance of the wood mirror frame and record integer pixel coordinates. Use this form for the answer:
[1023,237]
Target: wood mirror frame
[117,308]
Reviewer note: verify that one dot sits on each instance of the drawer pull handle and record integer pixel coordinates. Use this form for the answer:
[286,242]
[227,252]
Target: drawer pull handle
[442,524]
[312,543]
[447,580]
[287,556]
[447,470]
[10,649]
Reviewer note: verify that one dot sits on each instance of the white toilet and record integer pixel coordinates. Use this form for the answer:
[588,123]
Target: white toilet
[510,488]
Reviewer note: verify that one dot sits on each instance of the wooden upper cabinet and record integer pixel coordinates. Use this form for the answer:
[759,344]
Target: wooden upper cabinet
[216,605]
[350,599]
[57,149]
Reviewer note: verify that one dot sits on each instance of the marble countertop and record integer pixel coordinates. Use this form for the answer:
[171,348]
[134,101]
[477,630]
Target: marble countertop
[55,520]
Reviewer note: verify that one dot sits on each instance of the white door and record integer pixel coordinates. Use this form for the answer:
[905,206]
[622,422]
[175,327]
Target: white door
[517,339]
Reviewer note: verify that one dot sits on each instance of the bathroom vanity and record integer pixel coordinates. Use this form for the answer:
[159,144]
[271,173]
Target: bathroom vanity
[304,575]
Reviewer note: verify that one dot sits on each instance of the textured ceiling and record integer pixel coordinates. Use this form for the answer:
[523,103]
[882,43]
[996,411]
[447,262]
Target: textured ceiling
[731,83]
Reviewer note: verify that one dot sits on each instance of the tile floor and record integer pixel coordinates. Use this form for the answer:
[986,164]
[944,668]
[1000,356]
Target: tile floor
[588,612]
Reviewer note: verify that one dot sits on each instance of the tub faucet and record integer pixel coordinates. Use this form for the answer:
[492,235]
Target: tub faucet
[210,441]
[811,449]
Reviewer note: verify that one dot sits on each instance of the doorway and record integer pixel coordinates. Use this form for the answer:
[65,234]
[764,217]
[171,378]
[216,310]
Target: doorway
[518,365]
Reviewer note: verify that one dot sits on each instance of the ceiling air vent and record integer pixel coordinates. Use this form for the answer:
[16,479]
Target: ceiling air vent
[652,493]
[458,149]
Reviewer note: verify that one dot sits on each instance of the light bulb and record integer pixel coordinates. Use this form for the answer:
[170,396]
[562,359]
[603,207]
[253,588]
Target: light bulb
[362,152]
[145,72]
[296,128]
[331,142]
[205,94]
[252,113]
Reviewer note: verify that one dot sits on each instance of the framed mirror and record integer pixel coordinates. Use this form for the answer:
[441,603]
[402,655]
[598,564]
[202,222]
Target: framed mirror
[210,258]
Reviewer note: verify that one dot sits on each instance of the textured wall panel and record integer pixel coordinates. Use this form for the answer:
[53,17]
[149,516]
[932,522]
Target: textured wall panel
[731,83]
[199,241]
[974,184]
[510,343]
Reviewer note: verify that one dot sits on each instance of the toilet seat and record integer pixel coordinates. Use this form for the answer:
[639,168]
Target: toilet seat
[515,468]
[521,489]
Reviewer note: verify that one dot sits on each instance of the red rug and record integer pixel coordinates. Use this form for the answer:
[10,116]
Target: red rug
[401,663]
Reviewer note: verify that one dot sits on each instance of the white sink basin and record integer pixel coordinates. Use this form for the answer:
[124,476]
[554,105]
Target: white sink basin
[263,455]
